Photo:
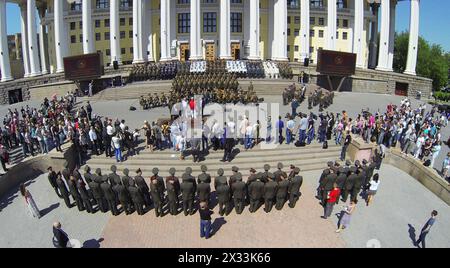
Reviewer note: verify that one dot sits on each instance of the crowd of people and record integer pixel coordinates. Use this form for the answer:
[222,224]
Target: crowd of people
[104,192]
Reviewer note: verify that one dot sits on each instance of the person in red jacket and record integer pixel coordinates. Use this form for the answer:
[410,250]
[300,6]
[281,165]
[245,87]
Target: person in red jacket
[331,200]
[192,104]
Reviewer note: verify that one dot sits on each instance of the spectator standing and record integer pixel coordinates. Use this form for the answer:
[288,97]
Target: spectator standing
[426,229]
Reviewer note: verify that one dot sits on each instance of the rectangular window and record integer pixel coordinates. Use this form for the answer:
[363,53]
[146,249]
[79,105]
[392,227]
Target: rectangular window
[209,1]
[81,25]
[289,32]
[312,20]
[289,19]
[81,38]
[97,24]
[321,33]
[102,4]
[236,22]
[106,22]
[73,25]
[108,52]
[98,37]
[126,3]
[311,49]
[122,34]
[337,22]
[76,5]
[321,21]
[122,21]
[345,23]
[184,22]
[296,32]
[341,4]
[184,1]
[236,1]
[317,3]
[296,48]
[297,19]
[130,34]
[107,37]
[131,50]
[122,51]
[210,22]
[337,35]
[130,21]
[344,35]
[73,39]
[311,33]
[288,48]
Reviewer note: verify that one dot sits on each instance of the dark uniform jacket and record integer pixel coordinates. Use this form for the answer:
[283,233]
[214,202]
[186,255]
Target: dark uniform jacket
[223,193]
[330,179]
[73,189]
[295,184]
[204,191]
[280,173]
[113,178]
[126,181]
[189,178]
[122,193]
[156,192]
[62,186]
[141,184]
[282,188]
[187,190]
[233,178]
[256,190]
[204,177]
[107,191]
[82,190]
[238,189]
[96,190]
[340,180]
[52,179]
[220,180]
[266,175]
[136,195]
[88,177]
[350,182]
[270,189]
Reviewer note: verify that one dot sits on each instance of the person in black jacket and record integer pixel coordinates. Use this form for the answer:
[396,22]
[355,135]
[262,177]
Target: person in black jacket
[74,192]
[52,179]
[97,191]
[223,195]
[173,191]
[349,183]
[81,186]
[255,192]
[123,196]
[205,220]
[187,193]
[294,187]
[204,192]
[137,197]
[239,191]
[270,190]
[282,190]
[157,190]
[63,189]
[143,187]
[60,237]
[347,141]
[110,196]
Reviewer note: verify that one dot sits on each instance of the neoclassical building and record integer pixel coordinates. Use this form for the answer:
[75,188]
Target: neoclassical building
[133,31]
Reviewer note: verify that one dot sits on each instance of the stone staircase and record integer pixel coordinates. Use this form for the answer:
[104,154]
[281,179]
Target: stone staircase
[311,157]
[262,87]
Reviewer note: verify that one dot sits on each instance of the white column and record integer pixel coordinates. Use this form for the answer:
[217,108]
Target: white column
[5,66]
[391,34]
[88,31]
[330,42]
[60,36]
[43,47]
[33,48]
[137,33]
[304,29]
[115,33]
[373,45]
[280,28]
[411,61]
[225,35]
[254,30]
[165,31]
[383,52]
[358,33]
[146,24]
[195,38]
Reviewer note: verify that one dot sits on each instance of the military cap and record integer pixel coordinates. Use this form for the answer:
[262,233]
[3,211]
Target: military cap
[203,168]
[329,163]
[126,171]
[155,171]
[353,169]
[138,170]
[113,168]
[87,168]
[357,163]
[280,165]
[188,170]
[235,169]
[98,171]
[296,170]
[172,171]
[220,171]
[348,162]
[364,161]
[266,167]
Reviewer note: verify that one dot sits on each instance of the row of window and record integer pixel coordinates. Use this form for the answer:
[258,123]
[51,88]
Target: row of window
[122,22]
[76,5]
[296,48]
[98,36]
[209,22]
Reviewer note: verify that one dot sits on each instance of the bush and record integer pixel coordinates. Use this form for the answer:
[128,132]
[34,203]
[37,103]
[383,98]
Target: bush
[442,96]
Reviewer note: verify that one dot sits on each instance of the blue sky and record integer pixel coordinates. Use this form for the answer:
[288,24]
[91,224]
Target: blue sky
[434,20]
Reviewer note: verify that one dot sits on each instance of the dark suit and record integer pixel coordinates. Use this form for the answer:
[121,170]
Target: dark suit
[143,187]
[173,191]
[123,196]
[98,195]
[270,190]
[204,177]
[157,194]
[60,237]
[294,190]
[239,193]
[223,192]
[75,194]
[255,192]
[138,199]
[110,197]
[348,187]
[64,192]
[188,192]
[204,192]
[52,179]
[281,195]
[85,196]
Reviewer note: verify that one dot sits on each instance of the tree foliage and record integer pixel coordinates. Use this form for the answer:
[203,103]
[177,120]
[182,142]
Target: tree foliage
[432,61]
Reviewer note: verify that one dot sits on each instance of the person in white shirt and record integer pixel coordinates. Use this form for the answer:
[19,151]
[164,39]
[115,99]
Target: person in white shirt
[115,142]
[242,128]
[373,187]
[289,130]
[110,130]
[419,143]
[248,136]
[122,125]
[93,139]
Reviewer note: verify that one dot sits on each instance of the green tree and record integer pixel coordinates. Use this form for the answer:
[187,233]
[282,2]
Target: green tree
[432,61]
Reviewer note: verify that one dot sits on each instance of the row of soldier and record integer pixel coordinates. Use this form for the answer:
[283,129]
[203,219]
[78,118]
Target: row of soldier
[350,179]
[108,191]
[292,93]
[321,97]
[153,71]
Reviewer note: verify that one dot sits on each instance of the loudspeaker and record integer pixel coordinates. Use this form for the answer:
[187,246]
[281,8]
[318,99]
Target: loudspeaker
[306,62]
[116,65]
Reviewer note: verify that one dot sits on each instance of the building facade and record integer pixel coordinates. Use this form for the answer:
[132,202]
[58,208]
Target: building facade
[133,31]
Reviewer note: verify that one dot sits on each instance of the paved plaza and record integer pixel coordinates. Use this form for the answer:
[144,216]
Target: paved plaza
[400,208]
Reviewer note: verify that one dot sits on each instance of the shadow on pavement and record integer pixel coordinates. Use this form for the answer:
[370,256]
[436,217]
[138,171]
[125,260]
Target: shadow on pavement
[45,211]
[412,233]
[217,224]
[92,243]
